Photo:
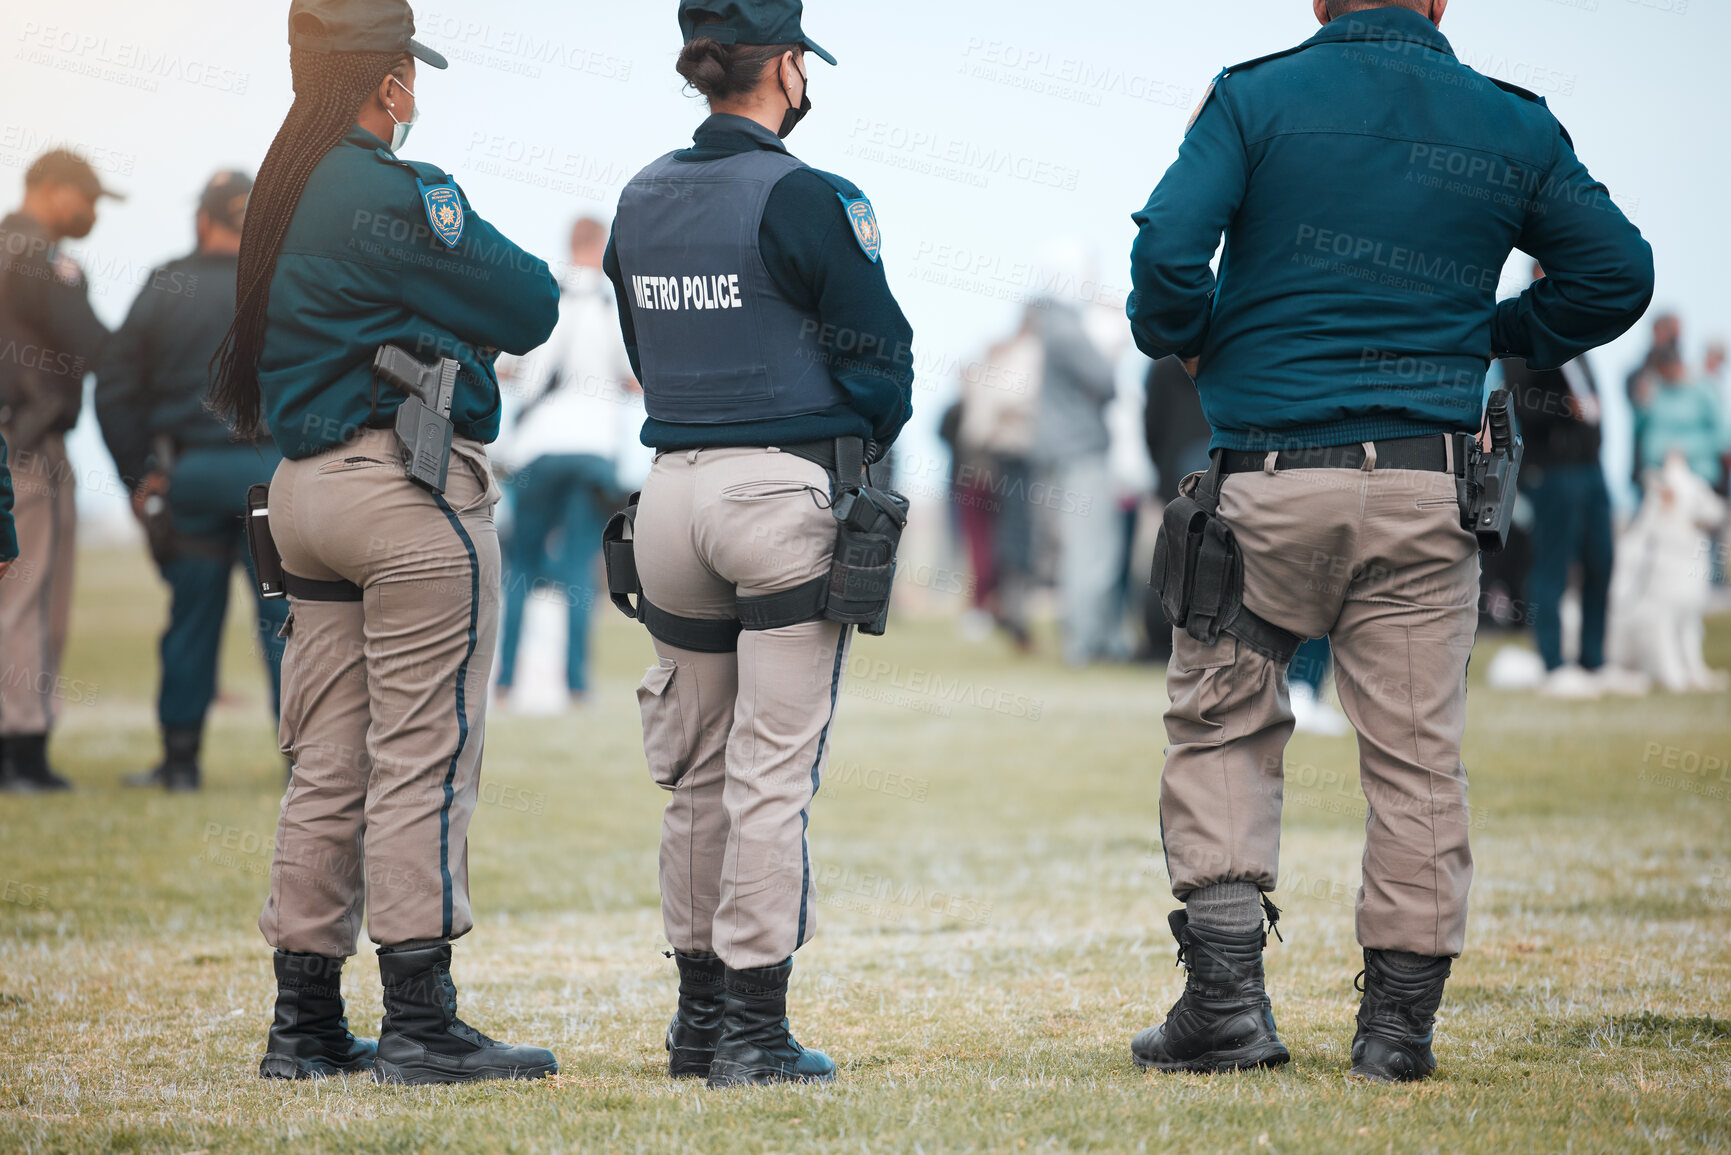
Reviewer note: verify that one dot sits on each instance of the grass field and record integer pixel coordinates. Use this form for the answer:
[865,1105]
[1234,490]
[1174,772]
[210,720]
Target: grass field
[992,930]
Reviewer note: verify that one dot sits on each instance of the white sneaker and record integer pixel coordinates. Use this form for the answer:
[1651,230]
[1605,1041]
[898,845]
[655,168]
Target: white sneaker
[1572,683]
[1623,683]
[1310,716]
[976,626]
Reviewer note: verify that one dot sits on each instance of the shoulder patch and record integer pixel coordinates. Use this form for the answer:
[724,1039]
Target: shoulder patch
[865,225]
[1203,103]
[444,210]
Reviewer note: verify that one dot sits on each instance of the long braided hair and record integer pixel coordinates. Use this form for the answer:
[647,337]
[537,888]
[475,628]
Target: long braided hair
[330,88]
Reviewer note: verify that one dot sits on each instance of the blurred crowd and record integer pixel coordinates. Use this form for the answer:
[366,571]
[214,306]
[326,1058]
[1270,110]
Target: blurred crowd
[1066,446]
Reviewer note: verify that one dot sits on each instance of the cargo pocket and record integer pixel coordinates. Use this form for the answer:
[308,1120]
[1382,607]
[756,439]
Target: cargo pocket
[668,734]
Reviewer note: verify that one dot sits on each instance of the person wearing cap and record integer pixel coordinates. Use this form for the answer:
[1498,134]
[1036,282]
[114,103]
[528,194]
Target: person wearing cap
[51,338]
[393,586]
[1340,353]
[773,359]
[187,476]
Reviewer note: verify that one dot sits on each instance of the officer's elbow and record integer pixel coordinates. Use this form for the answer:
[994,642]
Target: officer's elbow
[536,319]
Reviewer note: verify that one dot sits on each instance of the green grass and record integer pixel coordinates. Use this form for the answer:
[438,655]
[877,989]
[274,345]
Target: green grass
[993,931]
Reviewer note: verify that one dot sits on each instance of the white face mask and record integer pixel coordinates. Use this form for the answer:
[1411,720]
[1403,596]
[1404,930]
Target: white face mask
[400,134]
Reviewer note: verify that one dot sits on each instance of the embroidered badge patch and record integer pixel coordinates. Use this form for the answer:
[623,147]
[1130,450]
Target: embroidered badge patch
[865,225]
[1203,103]
[444,211]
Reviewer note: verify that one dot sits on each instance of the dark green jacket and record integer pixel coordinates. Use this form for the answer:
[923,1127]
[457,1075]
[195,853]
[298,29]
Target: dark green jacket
[360,268]
[1370,187]
[155,373]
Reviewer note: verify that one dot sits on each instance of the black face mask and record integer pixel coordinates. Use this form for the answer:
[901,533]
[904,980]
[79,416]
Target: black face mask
[791,118]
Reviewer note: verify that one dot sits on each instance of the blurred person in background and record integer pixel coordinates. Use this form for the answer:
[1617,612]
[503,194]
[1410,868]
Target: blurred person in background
[563,456]
[1132,472]
[1677,412]
[1715,367]
[1666,344]
[995,431]
[1560,413]
[55,338]
[1070,451]
[188,478]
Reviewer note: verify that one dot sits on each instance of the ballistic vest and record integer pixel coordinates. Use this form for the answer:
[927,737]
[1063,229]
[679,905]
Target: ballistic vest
[716,340]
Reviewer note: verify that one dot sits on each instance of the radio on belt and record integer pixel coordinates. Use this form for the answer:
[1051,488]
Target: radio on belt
[424,417]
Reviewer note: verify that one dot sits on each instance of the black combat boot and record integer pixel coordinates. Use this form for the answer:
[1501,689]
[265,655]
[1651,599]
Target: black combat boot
[423,1041]
[696,1026]
[1397,1019]
[24,766]
[309,1038]
[1223,1021]
[179,772]
[756,1045]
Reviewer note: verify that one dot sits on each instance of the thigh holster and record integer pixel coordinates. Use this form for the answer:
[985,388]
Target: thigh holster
[856,591]
[274,582]
[1199,575]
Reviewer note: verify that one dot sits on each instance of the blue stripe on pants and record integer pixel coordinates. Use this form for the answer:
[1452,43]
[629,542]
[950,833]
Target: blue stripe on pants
[462,707]
[816,783]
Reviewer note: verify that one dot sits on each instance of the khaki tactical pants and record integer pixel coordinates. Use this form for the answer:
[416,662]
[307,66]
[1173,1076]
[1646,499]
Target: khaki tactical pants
[741,739]
[1377,560]
[36,593]
[384,700]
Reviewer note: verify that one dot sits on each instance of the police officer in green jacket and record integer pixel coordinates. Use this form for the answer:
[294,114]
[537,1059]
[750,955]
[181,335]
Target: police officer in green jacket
[1370,187]
[353,257]
[188,478]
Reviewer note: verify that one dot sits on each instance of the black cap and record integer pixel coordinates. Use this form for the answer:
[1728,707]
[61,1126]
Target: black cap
[219,195]
[747,22]
[65,167]
[358,26]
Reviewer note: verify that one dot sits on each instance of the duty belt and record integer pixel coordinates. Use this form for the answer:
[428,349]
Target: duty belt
[1422,454]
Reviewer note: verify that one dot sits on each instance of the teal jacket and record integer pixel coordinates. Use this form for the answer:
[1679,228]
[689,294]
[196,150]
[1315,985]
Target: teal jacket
[8,534]
[1686,417]
[361,267]
[1370,187]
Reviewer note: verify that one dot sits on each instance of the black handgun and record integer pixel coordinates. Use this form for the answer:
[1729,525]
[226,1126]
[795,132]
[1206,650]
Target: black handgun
[424,417]
[1485,479]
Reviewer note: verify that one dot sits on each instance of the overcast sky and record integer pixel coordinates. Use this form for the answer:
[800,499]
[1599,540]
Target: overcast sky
[981,131]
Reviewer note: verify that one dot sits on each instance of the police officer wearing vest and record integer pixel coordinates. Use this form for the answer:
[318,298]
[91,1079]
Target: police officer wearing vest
[370,291]
[773,359]
[188,477]
[1370,187]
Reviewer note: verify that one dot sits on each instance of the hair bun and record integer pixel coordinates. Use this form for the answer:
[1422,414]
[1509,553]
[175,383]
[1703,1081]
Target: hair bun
[703,63]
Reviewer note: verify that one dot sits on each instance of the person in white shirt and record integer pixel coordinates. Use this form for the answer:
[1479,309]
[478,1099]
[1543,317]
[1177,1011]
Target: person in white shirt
[563,453]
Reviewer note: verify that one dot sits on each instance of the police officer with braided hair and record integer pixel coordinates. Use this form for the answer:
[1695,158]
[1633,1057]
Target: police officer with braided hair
[362,276]
[1370,187]
[774,362]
